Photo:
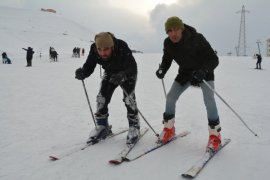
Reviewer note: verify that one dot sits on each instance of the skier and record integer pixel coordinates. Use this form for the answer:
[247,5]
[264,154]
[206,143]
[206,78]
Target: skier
[53,54]
[259,61]
[78,52]
[120,67]
[74,52]
[197,61]
[29,56]
[50,52]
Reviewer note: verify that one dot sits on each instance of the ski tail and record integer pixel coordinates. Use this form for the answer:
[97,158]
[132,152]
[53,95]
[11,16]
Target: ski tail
[55,157]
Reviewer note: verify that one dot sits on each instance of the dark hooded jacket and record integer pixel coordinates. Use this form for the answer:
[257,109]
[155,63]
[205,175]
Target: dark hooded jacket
[192,52]
[29,53]
[121,60]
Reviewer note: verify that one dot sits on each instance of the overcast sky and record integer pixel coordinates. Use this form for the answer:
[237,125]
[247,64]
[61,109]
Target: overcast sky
[141,22]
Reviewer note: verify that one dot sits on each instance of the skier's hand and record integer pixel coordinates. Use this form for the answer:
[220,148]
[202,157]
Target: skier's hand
[118,79]
[160,73]
[199,75]
[79,74]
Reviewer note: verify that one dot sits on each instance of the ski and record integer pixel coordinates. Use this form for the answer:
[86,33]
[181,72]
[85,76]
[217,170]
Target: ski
[199,165]
[159,145]
[121,157]
[86,145]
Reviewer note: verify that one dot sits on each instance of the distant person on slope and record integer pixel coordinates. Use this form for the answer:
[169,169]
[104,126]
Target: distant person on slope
[82,51]
[259,61]
[196,60]
[29,56]
[5,58]
[120,67]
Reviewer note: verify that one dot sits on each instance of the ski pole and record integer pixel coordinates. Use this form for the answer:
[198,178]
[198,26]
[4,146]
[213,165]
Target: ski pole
[89,103]
[133,103]
[100,72]
[164,88]
[255,134]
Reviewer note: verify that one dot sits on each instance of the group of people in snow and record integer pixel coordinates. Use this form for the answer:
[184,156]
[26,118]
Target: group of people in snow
[53,55]
[77,52]
[29,55]
[196,61]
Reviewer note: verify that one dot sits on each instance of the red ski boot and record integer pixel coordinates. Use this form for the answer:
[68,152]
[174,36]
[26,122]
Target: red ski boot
[168,132]
[214,137]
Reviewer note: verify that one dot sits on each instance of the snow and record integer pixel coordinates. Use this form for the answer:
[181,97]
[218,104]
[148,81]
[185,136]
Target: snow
[44,112]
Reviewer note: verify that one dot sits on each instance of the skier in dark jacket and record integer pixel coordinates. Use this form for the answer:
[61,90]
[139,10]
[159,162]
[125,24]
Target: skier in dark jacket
[29,56]
[196,60]
[259,61]
[120,67]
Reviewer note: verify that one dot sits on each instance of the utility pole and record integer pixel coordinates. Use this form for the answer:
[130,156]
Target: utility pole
[241,49]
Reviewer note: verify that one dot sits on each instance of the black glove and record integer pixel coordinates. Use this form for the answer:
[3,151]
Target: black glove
[118,79]
[79,74]
[160,73]
[199,75]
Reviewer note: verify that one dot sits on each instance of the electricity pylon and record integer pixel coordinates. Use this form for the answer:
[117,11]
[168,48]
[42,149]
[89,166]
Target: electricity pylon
[241,48]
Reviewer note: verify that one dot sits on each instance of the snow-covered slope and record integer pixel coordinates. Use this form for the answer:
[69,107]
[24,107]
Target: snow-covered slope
[40,30]
[44,111]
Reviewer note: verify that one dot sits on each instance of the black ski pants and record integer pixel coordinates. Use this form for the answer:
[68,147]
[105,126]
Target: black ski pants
[107,89]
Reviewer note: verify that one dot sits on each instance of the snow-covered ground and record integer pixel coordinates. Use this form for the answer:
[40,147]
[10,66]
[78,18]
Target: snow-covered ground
[44,112]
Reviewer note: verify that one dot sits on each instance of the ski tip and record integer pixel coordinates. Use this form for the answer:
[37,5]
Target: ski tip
[115,162]
[53,158]
[187,176]
[119,161]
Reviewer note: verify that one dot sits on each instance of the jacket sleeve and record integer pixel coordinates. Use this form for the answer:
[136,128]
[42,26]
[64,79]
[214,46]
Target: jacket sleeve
[91,62]
[208,55]
[166,58]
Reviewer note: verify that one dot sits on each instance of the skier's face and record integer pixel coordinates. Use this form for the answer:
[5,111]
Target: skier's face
[175,34]
[105,53]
